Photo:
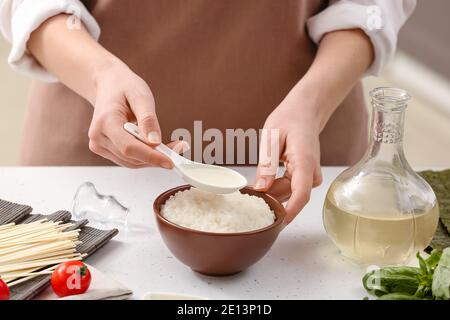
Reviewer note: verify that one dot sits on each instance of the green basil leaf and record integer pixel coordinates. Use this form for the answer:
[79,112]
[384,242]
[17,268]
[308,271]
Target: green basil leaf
[433,260]
[391,280]
[441,277]
[422,264]
[399,296]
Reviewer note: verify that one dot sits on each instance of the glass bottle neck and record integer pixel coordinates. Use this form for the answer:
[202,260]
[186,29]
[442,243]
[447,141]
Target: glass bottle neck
[386,136]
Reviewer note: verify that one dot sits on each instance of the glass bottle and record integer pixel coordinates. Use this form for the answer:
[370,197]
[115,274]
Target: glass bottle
[380,211]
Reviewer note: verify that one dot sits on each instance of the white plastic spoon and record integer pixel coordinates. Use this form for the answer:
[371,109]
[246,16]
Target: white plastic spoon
[215,179]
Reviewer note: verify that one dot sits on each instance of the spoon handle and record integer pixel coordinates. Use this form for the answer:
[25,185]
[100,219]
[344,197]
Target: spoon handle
[175,157]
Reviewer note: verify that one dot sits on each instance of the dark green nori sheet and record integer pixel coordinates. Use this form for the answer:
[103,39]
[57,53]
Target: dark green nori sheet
[440,182]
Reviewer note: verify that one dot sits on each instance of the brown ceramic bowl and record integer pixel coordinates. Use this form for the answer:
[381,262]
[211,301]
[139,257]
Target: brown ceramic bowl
[218,254]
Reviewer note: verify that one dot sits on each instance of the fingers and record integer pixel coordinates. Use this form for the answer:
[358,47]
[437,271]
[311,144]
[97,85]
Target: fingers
[110,140]
[264,178]
[110,147]
[126,146]
[179,146]
[269,155]
[143,108]
[117,160]
[281,189]
[301,185]
[130,147]
[317,179]
[296,187]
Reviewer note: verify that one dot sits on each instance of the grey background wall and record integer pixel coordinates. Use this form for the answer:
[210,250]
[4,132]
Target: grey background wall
[426,37]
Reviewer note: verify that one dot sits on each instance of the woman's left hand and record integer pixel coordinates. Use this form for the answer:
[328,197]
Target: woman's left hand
[295,127]
[341,60]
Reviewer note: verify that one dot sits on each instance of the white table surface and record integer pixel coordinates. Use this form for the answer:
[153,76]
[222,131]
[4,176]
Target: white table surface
[302,264]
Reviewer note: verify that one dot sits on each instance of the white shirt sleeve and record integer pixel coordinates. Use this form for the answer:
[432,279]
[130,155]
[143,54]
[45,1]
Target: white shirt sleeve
[381,20]
[19,18]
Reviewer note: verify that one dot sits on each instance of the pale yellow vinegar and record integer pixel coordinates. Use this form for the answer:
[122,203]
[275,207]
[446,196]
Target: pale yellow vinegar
[388,239]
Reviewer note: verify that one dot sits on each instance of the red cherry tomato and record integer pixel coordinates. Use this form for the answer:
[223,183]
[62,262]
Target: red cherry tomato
[71,278]
[4,290]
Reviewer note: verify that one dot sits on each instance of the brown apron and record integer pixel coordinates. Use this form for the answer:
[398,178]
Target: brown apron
[227,63]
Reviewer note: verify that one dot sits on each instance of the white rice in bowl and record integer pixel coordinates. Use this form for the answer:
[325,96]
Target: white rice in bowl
[204,211]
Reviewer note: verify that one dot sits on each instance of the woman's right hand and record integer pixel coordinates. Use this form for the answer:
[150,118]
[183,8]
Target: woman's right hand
[122,96]
[116,92]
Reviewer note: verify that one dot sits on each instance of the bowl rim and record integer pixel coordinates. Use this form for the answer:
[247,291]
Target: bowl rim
[279,219]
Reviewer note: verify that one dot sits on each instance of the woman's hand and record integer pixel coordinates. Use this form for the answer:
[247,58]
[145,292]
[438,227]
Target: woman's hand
[122,97]
[116,92]
[341,60]
[298,148]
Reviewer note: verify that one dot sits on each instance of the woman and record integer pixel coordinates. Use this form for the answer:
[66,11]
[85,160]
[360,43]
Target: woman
[293,66]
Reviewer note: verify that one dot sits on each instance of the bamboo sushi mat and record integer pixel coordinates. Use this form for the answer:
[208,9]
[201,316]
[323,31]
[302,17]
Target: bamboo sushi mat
[92,239]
